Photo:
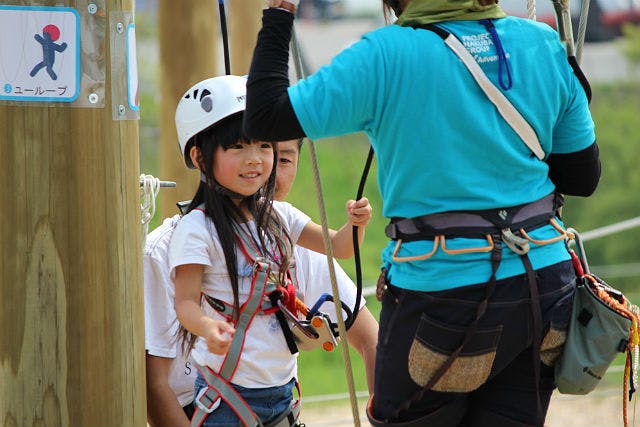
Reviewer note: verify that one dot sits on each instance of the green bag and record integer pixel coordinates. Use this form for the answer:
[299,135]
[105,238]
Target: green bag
[597,333]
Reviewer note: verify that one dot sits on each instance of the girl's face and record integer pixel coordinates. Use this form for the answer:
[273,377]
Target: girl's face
[243,167]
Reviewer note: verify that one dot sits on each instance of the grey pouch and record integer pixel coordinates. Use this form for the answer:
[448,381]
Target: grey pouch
[597,333]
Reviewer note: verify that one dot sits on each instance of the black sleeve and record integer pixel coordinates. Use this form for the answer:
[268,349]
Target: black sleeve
[269,115]
[576,174]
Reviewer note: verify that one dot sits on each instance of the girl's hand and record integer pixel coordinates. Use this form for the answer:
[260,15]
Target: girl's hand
[359,212]
[219,337]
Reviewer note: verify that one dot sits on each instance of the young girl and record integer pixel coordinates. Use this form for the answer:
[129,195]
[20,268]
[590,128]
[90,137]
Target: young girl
[218,251]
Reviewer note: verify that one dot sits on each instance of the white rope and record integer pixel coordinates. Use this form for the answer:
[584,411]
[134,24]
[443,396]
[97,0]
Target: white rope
[149,186]
[342,330]
[531,9]
[610,229]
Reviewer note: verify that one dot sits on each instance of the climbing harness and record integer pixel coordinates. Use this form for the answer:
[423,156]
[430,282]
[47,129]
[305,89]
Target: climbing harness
[497,226]
[478,224]
[267,296]
[316,330]
[219,383]
[603,324]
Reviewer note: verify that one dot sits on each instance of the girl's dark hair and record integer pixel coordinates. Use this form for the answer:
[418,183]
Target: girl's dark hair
[223,212]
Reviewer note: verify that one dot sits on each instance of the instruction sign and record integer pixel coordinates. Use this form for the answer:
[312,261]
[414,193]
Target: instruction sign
[39,54]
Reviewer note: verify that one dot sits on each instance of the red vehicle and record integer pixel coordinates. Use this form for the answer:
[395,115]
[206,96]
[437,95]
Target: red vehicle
[604,22]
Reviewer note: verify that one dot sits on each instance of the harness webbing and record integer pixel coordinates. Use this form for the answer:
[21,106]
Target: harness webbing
[498,224]
[218,385]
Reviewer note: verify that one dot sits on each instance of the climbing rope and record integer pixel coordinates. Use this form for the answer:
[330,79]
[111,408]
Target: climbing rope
[582,28]
[300,74]
[630,311]
[149,188]
[531,9]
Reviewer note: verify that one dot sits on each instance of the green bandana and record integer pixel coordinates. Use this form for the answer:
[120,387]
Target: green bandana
[430,11]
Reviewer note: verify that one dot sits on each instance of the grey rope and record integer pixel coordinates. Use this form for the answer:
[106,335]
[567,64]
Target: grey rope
[582,29]
[300,74]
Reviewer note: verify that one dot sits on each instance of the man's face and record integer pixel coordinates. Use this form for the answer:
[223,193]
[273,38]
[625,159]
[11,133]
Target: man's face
[287,167]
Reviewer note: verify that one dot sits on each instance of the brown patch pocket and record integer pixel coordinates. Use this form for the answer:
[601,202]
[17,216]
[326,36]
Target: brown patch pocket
[552,345]
[435,341]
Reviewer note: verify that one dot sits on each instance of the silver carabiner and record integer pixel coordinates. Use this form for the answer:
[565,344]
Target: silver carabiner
[517,244]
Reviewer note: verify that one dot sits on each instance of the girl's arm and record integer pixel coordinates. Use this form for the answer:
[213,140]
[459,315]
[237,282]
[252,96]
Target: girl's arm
[217,333]
[359,214]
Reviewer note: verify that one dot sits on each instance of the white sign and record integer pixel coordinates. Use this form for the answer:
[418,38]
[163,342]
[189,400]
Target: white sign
[39,54]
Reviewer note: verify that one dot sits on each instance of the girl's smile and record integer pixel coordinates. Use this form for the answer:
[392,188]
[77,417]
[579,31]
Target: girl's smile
[243,167]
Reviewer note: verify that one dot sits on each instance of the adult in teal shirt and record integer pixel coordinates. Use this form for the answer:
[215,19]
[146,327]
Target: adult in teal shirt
[442,147]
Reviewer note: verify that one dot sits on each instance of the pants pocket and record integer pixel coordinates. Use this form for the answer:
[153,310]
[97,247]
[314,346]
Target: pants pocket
[552,345]
[435,341]
[553,342]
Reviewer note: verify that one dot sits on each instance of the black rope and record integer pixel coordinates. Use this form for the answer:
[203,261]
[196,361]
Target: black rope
[225,37]
[356,246]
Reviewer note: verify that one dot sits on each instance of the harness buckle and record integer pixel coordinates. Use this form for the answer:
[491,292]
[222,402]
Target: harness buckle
[202,394]
[517,244]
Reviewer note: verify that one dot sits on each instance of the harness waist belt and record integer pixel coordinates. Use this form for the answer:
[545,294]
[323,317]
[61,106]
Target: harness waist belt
[474,223]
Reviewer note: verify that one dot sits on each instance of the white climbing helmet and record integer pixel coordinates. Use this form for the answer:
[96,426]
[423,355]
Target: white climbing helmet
[205,104]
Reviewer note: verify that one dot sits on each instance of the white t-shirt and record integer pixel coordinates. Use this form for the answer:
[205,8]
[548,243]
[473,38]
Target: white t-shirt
[161,323]
[266,360]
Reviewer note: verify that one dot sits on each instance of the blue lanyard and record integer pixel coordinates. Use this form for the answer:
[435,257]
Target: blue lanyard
[502,57]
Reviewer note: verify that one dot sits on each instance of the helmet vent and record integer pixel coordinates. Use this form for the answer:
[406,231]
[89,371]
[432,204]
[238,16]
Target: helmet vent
[204,93]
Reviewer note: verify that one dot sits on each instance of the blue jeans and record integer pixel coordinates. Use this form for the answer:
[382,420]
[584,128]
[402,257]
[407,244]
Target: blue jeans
[493,381]
[267,403]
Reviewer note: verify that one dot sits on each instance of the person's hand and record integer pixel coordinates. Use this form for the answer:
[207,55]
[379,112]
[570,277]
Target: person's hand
[219,337]
[359,212]
[290,5]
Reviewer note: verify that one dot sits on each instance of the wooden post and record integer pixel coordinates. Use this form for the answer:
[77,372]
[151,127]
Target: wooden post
[188,50]
[71,323]
[245,20]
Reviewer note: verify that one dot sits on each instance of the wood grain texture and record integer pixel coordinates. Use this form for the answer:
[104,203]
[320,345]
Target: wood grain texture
[71,323]
[189,41]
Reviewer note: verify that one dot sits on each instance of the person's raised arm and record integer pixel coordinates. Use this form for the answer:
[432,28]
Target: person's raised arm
[359,214]
[269,115]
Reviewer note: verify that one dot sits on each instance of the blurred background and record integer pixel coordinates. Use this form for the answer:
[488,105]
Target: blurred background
[611,60]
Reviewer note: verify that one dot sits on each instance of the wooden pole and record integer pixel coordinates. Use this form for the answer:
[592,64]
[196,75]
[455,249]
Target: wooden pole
[71,323]
[245,20]
[188,51]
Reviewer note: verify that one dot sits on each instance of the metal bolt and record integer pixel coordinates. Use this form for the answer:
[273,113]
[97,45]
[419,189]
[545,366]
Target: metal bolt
[120,27]
[93,98]
[92,8]
[121,110]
